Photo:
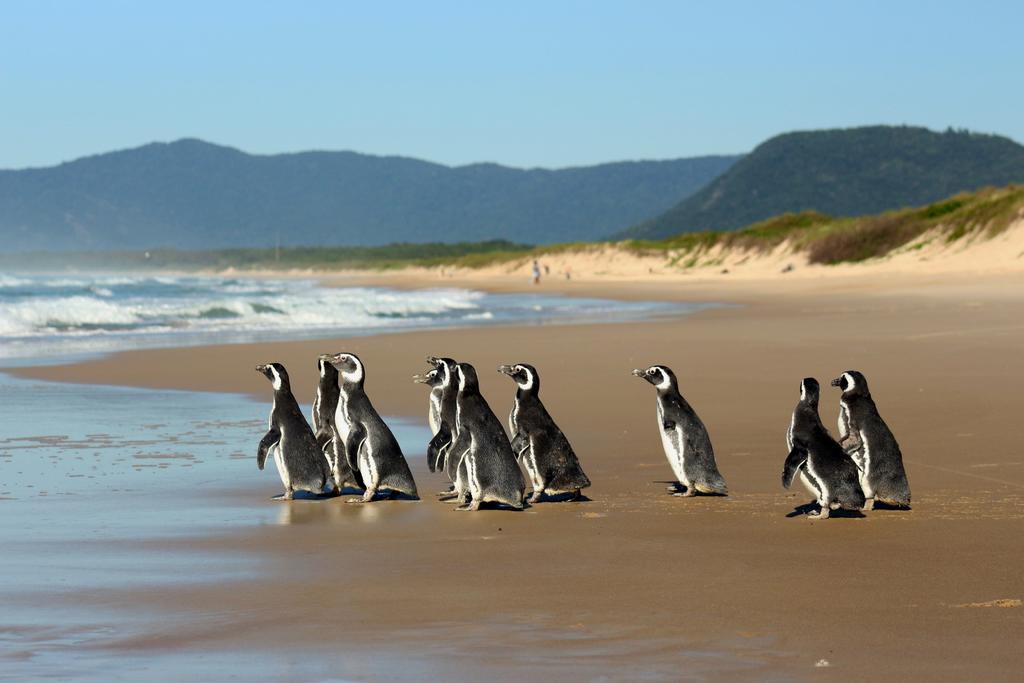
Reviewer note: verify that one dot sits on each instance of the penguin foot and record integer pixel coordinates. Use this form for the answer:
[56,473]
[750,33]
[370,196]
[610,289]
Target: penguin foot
[675,488]
[821,514]
[447,495]
[688,493]
[535,498]
[471,507]
[869,504]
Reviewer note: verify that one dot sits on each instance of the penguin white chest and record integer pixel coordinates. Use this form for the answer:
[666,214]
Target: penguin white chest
[316,409]
[341,420]
[674,445]
[282,468]
[530,461]
[435,411]
[823,493]
[789,433]
[863,460]
[844,421]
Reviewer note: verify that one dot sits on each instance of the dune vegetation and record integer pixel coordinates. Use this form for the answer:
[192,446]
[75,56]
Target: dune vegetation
[828,240]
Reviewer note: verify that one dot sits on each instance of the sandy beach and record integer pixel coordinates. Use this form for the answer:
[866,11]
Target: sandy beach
[636,584]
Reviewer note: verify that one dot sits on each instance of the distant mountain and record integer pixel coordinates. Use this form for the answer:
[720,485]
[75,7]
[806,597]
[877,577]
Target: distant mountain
[849,172]
[191,194]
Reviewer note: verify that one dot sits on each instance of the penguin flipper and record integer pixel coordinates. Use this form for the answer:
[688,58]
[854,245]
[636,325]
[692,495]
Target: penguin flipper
[794,461]
[520,442]
[323,436]
[435,448]
[269,440]
[356,436]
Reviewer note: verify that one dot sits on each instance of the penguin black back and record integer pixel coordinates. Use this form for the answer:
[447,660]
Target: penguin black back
[300,461]
[538,442]
[827,471]
[326,402]
[369,445]
[481,448]
[868,439]
[683,435]
[444,393]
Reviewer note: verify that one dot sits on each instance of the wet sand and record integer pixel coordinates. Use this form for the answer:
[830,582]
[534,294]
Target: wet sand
[636,584]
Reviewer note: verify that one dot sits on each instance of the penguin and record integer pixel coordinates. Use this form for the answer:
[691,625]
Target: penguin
[438,379]
[443,393]
[865,436]
[825,468]
[686,441]
[485,465]
[537,441]
[362,436]
[300,462]
[324,407]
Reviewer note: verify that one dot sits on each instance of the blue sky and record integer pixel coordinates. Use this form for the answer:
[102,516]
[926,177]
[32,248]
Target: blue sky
[522,83]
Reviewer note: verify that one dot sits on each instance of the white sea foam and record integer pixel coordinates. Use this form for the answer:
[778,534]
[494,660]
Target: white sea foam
[81,312]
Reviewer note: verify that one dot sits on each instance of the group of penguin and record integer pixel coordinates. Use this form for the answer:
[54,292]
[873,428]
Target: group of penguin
[350,447]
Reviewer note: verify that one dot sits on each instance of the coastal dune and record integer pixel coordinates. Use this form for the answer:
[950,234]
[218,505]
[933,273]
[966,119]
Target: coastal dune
[635,583]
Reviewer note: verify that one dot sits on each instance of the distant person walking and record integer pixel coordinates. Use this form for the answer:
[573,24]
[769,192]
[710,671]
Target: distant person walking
[536,273]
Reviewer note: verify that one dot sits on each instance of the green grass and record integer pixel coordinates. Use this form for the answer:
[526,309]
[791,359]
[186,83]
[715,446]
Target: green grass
[828,240]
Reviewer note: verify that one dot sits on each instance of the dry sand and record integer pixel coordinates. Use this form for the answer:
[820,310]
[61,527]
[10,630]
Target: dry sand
[636,583]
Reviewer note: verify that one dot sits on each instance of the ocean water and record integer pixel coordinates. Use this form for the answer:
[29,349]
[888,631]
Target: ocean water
[86,499]
[46,316]
[91,501]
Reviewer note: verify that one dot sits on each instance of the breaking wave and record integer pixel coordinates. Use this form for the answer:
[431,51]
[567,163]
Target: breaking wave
[45,314]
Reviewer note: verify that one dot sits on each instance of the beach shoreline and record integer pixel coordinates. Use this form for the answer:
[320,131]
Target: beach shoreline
[635,580]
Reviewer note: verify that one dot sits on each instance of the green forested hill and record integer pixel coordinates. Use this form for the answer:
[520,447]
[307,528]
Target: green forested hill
[847,172]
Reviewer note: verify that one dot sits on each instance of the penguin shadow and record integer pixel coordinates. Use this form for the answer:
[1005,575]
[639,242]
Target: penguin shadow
[302,495]
[673,487]
[808,508]
[500,507]
[355,495]
[879,505]
[392,495]
[564,498]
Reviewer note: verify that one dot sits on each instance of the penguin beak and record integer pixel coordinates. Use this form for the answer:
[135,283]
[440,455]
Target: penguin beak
[638,373]
[837,382]
[506,370]
[331,358]
[420,379]
[261,368]
[434,360]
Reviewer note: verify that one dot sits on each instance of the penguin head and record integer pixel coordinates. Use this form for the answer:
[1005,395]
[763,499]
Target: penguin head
[435,377]
[659,375]
[432,378]
[525,376]
[851,382]
[350,368]
[442,375]
[276,373]
[328,373]
[809,390]
[469,383]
